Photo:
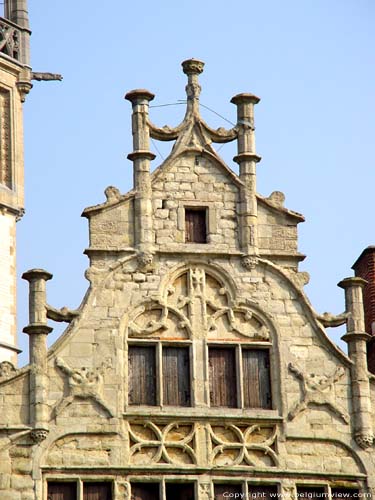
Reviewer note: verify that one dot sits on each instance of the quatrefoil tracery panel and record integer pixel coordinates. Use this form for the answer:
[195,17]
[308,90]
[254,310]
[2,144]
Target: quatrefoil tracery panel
[253,446]
[152,443]
[197,301]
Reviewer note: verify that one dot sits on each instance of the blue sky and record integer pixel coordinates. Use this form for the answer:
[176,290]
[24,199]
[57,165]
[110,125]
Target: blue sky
[310,61]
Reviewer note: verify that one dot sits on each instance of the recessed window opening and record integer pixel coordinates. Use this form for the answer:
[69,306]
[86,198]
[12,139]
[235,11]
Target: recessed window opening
[195,225]
[155,379]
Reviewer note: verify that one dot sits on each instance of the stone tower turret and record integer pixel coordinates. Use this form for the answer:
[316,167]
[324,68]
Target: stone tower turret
[15,76]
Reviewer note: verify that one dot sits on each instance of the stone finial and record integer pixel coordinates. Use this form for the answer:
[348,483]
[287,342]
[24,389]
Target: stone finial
[192,66]
[353,287]
[137,95]
[37,299]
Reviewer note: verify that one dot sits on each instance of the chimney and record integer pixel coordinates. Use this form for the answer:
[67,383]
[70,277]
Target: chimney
[364,267]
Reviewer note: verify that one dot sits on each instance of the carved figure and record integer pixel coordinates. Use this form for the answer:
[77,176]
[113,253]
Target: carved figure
[145,259]
[249,262]
[317,390]
[330,320]
[63,314]
[112,194]
[84,383]
[46,76]
[364,440]
[7,369]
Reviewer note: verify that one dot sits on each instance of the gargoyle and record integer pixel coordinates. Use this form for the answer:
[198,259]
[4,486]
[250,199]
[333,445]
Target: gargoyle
[330,320]
[46,76]
[63,314]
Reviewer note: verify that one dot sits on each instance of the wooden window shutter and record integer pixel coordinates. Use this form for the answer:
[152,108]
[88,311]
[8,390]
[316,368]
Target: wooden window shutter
[97,491]
[62,491]
[224,491]
[256,378]
[262,492]
[176,376]
[178,491]
[144,491]
[223,386]
[142,375]
[195,226]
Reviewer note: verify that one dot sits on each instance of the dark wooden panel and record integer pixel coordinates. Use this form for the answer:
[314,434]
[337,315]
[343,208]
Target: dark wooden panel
[195,226]
[62,491]
[224,491]
[262,492]
[345,493]
[223,387]
[145,491]
[310,492]
[176,376]
[142,375]
[97,491]
[256,378]
[176,491]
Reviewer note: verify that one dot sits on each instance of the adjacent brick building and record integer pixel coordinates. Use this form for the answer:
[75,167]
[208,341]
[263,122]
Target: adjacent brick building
[195,367]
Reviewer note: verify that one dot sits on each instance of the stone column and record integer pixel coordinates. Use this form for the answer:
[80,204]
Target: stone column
[247,160]
[37,329]
[141,157]
[356,338]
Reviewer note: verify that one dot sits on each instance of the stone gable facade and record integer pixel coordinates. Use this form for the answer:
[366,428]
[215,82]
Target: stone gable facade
[195,367]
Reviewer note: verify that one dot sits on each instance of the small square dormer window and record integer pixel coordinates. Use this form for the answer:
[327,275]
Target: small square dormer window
[195,225]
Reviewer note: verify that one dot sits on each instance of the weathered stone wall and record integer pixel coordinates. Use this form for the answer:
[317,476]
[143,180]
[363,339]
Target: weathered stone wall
[195,181]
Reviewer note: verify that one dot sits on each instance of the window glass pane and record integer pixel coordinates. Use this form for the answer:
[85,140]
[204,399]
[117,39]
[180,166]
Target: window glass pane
[311,492]
[145,491]
[224,491]
[195,226]
[176,376]
[178,491]
[62,491]
[344,493]
[223,388]
[97,491]
[142,375]
[256,378]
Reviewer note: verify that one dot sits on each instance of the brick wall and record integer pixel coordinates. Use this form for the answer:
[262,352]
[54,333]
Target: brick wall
[364,267]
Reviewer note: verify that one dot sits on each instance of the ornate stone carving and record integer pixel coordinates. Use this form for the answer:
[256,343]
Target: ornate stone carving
[145,260]
[318,390]
[123,490]
[203,304]
[330,320]
[9,39]
[112,194]
[6,177]
[39,435]
[7,370]
[205,491]
[289,491]
[63,314]
[364,440]
[84,383]
[152,443]
[45,77]
[253,445]
[249,262]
